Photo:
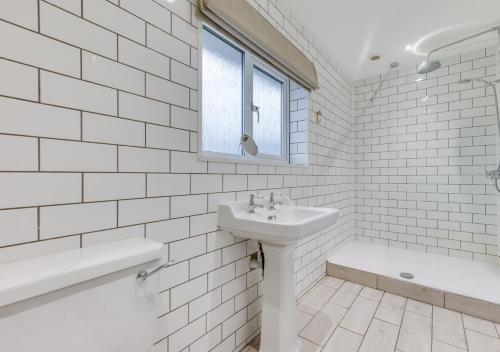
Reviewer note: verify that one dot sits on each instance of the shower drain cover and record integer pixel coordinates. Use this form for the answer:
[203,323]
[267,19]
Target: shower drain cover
[407,275]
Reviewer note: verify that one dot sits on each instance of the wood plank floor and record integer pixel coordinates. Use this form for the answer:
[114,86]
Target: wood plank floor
[341,316]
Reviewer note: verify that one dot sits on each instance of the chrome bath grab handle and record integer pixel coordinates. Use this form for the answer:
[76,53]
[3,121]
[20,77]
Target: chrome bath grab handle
[143,275]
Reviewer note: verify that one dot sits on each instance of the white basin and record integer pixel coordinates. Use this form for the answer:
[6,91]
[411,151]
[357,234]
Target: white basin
[288,224]
[279,231]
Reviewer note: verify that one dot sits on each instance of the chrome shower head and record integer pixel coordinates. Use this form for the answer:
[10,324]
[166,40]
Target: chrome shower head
[432,65]
[428,66]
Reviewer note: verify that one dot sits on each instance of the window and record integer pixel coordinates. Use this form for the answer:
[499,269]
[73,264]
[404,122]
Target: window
[222,88]
[240,94]
[268,99]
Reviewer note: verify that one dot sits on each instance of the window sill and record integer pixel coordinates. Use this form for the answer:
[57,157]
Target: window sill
[242,160]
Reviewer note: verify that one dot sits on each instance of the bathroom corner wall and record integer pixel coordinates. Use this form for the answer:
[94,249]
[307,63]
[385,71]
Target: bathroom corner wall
[422,149]
[98,142]
[299,117]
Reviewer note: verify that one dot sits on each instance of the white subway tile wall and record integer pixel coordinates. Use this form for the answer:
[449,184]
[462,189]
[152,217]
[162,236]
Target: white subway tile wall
[98,142]
[299,116]
[422,149]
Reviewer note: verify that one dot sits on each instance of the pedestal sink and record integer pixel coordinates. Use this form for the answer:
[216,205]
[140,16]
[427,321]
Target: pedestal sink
[278,230]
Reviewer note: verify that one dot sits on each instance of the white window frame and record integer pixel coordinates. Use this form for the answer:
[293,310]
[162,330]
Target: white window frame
[250,60]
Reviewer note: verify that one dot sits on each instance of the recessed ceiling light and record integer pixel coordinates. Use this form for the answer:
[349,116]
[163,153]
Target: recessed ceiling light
[419,79]
[425,99]
[409,47]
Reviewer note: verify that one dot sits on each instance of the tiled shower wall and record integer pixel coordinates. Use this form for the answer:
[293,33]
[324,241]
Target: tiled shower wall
[98,142]
[422,149]
[299,119]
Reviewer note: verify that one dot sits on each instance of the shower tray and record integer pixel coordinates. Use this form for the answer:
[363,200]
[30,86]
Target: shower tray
[467,286]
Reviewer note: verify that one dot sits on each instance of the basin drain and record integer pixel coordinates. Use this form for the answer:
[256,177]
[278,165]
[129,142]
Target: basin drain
[407,275]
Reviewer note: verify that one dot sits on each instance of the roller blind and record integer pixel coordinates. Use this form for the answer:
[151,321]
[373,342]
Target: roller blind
[245,23]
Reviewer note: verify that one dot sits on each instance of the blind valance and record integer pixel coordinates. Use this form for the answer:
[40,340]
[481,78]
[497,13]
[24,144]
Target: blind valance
[245,23]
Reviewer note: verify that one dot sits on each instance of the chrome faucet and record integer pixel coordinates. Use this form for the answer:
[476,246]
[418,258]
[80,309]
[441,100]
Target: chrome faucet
[252,205]
[271,201]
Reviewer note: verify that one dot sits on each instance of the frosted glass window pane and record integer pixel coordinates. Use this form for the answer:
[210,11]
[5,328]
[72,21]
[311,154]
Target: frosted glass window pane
[268,131]
[222,95]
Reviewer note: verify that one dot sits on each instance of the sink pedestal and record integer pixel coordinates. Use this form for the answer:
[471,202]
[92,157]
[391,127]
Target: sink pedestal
[278,332]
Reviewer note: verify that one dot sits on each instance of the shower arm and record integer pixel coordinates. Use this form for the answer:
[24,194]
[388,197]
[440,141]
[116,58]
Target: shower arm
[494,29]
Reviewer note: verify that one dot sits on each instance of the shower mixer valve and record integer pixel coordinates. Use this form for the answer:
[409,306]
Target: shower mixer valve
[494,176]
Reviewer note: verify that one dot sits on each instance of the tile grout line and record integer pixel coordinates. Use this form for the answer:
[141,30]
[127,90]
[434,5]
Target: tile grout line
[401,324]
[432,327]
[465,333]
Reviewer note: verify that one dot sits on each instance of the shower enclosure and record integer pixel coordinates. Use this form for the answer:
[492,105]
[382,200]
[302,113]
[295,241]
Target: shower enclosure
[491,83]
[428,149]
[498,149]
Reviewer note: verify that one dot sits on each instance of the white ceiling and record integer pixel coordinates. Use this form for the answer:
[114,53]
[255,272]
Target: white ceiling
[353,30]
